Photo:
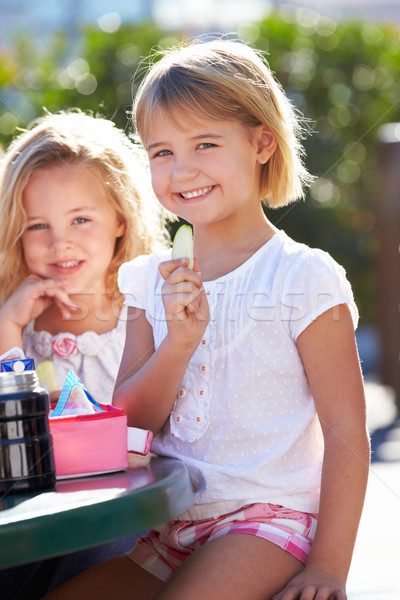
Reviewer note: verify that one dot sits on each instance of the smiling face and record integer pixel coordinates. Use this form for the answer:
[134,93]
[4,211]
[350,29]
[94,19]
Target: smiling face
[71,228]
[207,171]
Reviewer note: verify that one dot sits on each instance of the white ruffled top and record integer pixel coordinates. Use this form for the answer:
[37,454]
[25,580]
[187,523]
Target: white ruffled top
[94,357]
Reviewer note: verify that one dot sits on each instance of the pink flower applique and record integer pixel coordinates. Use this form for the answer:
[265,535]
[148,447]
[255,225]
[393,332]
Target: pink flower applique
[63,345]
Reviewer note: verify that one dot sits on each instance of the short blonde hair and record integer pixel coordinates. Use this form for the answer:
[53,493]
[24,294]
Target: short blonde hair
[77,139]
[224,79]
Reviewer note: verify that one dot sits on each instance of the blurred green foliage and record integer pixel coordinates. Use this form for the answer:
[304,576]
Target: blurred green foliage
[342,76]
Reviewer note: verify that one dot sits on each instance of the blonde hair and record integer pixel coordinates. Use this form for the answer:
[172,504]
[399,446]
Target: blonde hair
[228,80]
[77,139]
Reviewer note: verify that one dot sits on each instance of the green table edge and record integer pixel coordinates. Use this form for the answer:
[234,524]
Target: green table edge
[35,539]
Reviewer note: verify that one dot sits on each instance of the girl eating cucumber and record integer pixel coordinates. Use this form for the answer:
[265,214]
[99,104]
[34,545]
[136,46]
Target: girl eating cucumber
[244,367]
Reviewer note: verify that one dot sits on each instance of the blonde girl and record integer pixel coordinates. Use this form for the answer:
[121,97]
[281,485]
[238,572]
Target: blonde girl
[247,368]
[72,212]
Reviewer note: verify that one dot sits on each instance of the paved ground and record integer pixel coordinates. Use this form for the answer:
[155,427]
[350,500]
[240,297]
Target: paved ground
[376,559]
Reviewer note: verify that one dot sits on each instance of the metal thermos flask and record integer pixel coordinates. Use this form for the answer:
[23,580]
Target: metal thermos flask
[26,451]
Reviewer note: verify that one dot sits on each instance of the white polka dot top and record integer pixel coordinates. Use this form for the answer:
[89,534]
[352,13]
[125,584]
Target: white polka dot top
[244,420]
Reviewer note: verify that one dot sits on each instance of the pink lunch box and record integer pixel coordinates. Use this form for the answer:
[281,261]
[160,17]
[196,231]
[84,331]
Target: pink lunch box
[90,444]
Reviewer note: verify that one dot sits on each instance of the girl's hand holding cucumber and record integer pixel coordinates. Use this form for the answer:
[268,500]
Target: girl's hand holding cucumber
[185,302]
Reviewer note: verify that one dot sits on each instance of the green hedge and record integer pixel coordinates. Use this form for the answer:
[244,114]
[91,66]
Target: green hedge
[343,76]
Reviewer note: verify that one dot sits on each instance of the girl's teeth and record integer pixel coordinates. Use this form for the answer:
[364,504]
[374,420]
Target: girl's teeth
[70,263]
[196,193]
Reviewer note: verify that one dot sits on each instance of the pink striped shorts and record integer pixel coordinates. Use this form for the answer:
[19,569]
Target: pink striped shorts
[162,552]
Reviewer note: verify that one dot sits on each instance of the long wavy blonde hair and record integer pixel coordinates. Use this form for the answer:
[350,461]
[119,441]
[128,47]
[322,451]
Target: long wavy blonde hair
[77,139]
[228,80]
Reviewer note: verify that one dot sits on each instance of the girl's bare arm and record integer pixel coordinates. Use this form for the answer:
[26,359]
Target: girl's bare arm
[148,380]
[328,350]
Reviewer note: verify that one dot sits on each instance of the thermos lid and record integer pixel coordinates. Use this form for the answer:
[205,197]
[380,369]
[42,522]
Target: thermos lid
[11,381]
[21,395]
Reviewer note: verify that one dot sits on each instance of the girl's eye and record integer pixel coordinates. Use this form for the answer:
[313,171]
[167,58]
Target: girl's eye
[206,145]
[162,153]
[81,220]
[36,227]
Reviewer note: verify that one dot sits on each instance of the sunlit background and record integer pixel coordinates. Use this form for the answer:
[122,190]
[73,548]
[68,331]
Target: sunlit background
[223,15]
[339,62]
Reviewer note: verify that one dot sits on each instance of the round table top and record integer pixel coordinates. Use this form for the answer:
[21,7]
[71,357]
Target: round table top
[88,511]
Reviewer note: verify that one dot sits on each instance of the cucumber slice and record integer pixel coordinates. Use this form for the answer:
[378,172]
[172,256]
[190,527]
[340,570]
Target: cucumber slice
[47,375]
[183,244]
